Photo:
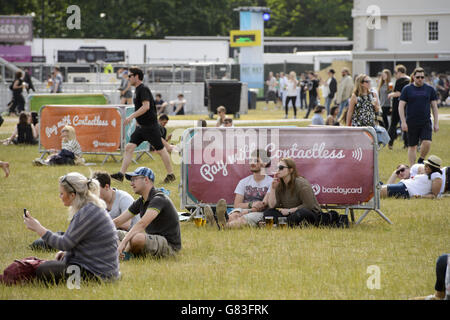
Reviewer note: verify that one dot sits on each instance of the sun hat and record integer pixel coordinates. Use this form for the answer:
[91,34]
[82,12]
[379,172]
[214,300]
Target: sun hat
[141,171]
[433,161]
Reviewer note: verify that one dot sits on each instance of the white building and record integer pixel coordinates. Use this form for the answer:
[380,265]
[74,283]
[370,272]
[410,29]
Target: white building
[409,32]
[139,51]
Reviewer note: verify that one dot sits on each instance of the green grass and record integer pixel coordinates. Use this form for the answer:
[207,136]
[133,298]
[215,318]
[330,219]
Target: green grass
[309,263]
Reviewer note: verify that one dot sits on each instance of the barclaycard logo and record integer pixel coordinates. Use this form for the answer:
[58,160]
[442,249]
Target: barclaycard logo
[316,189]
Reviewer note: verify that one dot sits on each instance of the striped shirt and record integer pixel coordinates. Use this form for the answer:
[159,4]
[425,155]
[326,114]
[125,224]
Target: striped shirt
[73,146]
[90,242]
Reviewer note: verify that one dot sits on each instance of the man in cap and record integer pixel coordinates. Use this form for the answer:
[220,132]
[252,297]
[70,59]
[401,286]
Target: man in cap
[157,233]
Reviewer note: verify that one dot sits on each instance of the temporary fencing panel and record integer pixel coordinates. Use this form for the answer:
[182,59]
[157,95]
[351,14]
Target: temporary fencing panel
[98,128]
[340,163]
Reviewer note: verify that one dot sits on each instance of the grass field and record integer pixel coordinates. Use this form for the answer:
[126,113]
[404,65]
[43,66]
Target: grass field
[309,263]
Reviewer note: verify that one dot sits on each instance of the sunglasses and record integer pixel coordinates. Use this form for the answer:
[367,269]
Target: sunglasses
[400,170]
[281,167]
[130,75]
[419,77]
[64,179]
[366,81]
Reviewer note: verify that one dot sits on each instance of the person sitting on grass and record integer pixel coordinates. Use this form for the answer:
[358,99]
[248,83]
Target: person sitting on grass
[117,201]
[228,123]
[157,233]
[24,133]
[332,119]
[70,152]
[442,267]
[5,167]
[317,118]
[90,242]
[292,196]
[251,197]
[426,185]
[221,115]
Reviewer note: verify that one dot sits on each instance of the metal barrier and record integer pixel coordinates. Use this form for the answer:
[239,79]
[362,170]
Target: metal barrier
[340,163]
[193,92]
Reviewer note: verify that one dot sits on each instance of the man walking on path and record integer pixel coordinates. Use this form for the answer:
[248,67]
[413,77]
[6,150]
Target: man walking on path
[418,97]
[147,127]
[345,91]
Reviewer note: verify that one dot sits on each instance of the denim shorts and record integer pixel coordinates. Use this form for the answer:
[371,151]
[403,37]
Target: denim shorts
[397,190]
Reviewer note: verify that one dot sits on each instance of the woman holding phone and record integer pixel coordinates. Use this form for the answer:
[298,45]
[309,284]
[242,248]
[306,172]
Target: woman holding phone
[90,242]
[292,196]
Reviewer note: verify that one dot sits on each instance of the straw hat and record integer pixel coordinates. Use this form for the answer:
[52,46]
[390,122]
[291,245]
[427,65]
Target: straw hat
[433,161]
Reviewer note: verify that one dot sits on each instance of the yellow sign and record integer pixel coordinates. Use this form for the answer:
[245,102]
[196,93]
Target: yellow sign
[245,38]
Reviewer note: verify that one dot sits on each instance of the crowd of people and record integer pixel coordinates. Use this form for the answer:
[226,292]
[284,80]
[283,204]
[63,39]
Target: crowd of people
[107,225]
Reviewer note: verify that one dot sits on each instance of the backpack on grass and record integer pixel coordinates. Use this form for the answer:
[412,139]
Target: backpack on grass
[21,271]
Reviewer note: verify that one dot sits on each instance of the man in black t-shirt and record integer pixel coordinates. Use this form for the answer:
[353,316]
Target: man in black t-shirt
[147,127]
[157,233]
[402,81]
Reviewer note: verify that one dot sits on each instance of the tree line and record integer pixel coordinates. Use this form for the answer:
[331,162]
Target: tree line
[155,19]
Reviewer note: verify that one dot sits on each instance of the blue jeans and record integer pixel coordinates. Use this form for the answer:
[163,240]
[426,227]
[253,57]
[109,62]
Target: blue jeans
[328,104]
[342,106]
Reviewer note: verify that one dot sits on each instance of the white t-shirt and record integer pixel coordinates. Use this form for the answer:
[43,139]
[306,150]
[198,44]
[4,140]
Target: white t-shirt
[414,171]
[291,88]
[420,185]
[252,190]
[122,202]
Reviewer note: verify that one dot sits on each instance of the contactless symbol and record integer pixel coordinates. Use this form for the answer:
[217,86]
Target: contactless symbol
[357,154]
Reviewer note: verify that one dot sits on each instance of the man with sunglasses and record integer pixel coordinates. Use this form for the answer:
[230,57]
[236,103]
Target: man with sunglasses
[157,233]
[418,98]
[147,127]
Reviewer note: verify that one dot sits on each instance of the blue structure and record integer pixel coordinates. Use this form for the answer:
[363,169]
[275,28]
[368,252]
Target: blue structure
[251,59]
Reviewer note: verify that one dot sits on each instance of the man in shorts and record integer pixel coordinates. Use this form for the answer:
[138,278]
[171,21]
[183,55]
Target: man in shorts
[417,98]
[157,233]
[250,200]
[147,127]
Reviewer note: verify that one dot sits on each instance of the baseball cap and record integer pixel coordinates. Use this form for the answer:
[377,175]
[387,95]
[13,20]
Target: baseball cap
[141,171]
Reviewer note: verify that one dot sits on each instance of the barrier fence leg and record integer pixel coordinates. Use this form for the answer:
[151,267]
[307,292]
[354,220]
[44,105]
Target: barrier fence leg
[363,216]
[377,211]
[352,214]
[383,216]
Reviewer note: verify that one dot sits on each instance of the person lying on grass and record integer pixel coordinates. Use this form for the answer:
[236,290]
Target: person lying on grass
[157,233]
[90,242]
[403,171]
[425,185]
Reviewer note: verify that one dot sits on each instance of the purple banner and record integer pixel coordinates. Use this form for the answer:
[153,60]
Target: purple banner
[16,29]
[16,53]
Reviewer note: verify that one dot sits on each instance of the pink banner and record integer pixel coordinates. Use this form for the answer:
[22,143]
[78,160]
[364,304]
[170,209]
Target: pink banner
[16,53]
[338,162]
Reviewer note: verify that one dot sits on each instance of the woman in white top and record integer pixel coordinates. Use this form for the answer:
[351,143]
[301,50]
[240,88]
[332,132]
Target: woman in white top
[427,185]
[291,94]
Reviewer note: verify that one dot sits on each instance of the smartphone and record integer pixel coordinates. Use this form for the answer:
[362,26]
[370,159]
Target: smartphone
[25,213]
